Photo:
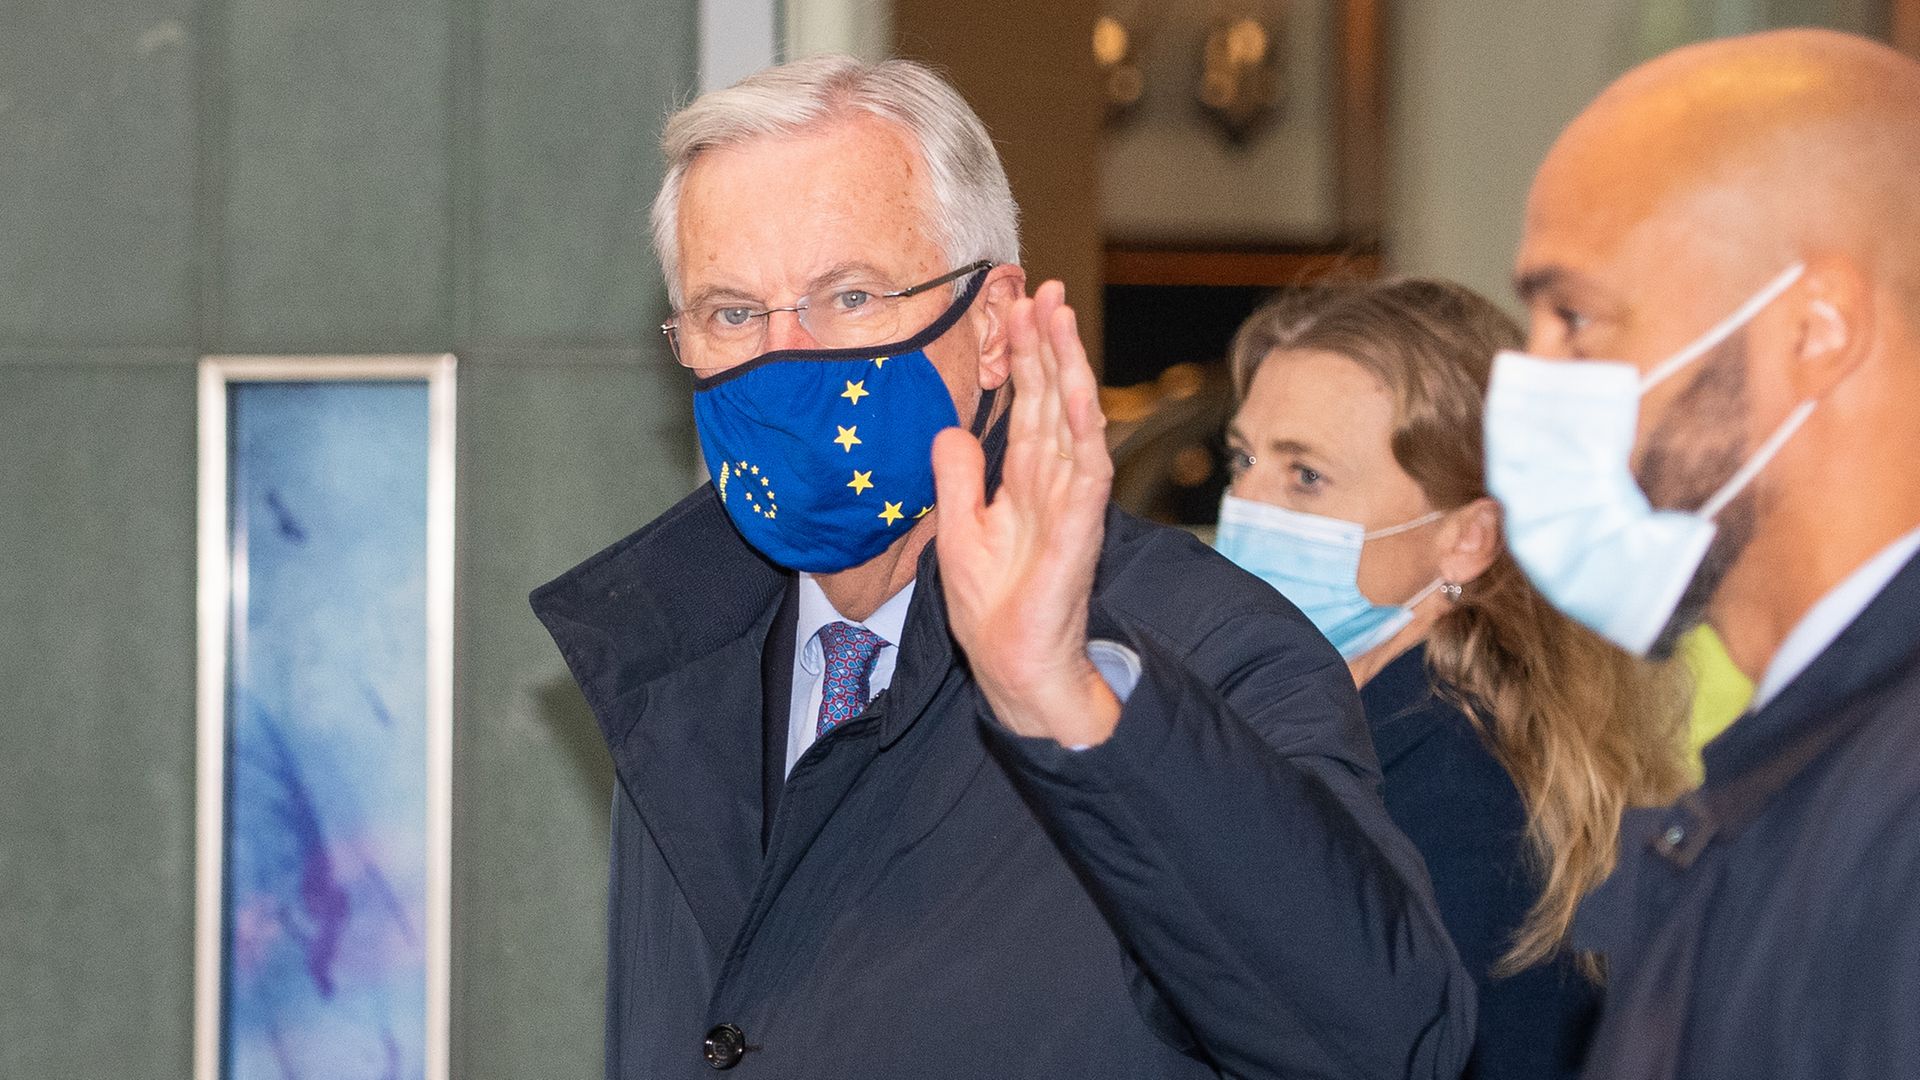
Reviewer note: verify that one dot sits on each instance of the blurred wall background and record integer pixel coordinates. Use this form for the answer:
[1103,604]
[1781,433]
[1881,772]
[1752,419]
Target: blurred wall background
[1480,88]
[182,178]
[1027,69]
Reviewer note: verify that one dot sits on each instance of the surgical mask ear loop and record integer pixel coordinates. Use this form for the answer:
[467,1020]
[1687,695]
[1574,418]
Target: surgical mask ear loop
[1407,526]
[1394,530]
[1701,346]
[1746,473]
[1723,329]
[1433,586]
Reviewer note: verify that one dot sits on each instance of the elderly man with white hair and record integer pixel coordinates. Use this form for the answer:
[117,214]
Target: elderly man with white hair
[995,781]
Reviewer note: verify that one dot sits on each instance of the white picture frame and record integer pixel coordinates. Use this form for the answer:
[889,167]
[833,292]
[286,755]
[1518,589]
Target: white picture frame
[215,602]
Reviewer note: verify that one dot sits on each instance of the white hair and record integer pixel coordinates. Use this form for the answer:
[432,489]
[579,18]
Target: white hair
[973,215]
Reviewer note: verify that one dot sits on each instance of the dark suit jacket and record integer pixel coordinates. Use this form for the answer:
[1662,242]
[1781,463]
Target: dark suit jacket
[1214,890]
[1769,925]
[1457,804]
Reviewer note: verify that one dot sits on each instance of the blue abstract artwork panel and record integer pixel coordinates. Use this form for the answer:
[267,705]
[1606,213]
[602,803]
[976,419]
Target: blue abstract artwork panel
[325,969]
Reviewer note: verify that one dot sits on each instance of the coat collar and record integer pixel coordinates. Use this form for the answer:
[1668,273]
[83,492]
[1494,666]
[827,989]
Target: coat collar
[666,633]
[687,586]
[1876,647]
[679,590]
[1882,642]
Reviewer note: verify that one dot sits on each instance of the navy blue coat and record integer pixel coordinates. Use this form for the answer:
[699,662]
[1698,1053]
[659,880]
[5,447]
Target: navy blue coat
[1768,926]
[1215,890]
[1457,804]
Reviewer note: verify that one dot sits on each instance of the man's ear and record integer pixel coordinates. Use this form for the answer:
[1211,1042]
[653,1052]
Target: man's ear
[1833,325]
[1469,541]
[1006,284]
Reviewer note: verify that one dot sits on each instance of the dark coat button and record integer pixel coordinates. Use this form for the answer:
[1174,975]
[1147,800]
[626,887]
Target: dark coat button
[724,1046]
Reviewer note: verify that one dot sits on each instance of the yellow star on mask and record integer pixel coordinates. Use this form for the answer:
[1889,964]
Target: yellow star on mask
[881,361]
[856,390]
[848,439]
[924,511]
[892,513]
[861,481]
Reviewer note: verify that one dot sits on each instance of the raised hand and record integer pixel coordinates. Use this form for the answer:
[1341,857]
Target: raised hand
[1018,573]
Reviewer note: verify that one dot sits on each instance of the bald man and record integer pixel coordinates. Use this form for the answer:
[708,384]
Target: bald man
[1721,263]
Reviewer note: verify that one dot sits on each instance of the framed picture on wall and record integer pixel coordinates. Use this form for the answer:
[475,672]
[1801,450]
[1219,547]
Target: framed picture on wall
[1254,127]
[325,706]
[1243,154]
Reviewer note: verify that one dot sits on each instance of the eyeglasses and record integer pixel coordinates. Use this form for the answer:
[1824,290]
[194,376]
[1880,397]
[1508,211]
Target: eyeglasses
[845,315]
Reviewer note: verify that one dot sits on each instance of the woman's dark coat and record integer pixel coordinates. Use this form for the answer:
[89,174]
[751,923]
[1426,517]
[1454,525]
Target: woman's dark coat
[1457,804]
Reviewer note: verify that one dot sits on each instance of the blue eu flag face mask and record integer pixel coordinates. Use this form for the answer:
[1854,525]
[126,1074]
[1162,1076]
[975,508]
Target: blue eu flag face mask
[824,457]
[1315,562]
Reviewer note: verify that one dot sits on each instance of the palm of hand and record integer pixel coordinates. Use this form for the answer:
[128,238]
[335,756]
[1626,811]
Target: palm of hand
[1018,573]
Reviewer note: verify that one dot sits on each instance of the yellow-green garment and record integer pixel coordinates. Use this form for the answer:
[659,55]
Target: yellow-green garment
[1720,692]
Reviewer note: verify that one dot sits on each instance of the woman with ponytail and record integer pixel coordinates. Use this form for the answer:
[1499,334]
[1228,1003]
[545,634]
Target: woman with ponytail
[1510,737]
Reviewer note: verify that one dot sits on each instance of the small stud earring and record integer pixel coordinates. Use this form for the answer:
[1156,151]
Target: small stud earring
[1451,590]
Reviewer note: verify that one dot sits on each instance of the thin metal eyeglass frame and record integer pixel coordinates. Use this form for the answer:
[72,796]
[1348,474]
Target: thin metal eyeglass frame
[671,328]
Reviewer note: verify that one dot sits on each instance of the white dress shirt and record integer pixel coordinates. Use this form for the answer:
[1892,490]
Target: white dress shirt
[810,662]
[1834,613]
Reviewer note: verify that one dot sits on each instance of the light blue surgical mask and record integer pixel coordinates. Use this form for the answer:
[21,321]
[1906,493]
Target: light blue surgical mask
[1559,438]
[1315,562]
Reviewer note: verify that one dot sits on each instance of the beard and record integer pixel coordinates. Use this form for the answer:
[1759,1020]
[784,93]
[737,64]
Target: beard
[1729,543]
[1698,445]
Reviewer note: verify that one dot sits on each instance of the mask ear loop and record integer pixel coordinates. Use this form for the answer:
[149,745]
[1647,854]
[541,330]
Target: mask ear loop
[1746,473]
[1721,331]
[1394,530]
[1408,526]
[981,411]
[1724,328]
[1432,587]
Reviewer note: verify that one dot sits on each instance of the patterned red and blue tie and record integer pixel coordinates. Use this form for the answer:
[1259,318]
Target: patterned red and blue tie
[850,653]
